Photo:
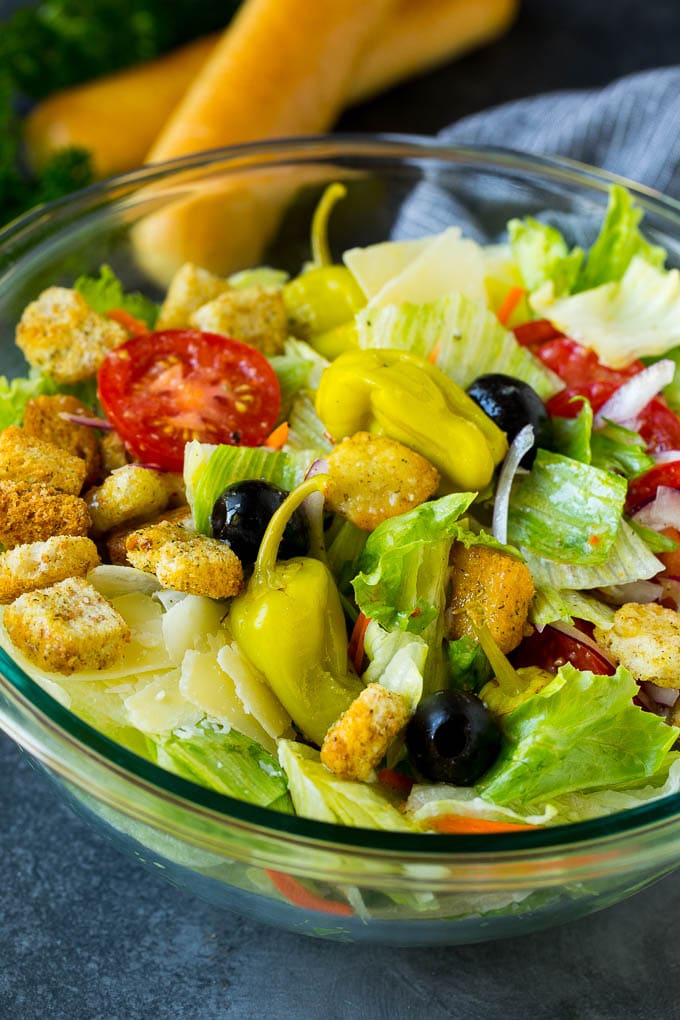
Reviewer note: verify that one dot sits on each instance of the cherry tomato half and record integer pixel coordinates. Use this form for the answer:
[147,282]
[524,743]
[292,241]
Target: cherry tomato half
[160,390]
[551,649]
[643,489]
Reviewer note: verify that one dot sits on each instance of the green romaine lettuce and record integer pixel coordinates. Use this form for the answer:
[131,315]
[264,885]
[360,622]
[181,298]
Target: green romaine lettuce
[618,243]
[542,255]
[396,660]
[317,793]
[15,394]
[228,762]
[105,293]
[469,668]
[550,605]
[611,447]
[566,511]
[580,732]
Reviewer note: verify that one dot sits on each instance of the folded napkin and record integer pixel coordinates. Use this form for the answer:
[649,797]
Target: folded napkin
[630,127]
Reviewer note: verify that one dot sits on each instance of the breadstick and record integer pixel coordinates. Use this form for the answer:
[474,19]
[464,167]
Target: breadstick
[107,118]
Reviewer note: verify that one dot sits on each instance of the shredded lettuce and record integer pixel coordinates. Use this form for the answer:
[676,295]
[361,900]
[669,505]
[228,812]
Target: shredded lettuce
[15,394]
[317,793]
[542,255]
[228,762]
[629,559]
[566,511]
[580,732]
[105,293]
[468,339]
[550,605]
[636,316]
[618,243]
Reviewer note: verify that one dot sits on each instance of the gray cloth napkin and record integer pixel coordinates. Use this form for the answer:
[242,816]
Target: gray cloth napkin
[631,127]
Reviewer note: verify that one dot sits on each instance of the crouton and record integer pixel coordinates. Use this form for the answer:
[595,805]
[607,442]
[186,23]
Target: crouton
[646,640]
[33,513]
[189,288]
[113,452]
[255,315]
[116,540]
[43,419]
[39,564]
[129,492]
[371,478]
[488,587]
[185,561]
[61,335]
[25,458]
[357,741]
[67,627]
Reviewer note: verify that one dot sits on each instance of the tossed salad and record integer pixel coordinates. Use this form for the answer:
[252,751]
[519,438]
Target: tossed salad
[393,543]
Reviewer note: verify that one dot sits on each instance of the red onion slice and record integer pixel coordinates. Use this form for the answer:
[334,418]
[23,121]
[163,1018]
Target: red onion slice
[631,397]
[635,591]
[89,422]
[520,445]
[663,511]
[665,456]
[583,639]
[317,467]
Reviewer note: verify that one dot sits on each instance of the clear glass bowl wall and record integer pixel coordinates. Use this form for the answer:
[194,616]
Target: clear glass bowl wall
[365,885]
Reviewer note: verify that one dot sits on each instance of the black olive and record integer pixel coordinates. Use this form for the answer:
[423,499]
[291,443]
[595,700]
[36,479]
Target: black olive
[512,404]
[453,738]
[241,514]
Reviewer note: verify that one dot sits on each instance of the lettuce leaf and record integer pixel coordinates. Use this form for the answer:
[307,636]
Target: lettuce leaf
[105,292]
[629,559]
[396,660]
[469,668]
[580,732]
[228,762]
[611,448]
[542,255]
[550,605]
[566,511]
[634,317]
[15,394]
[468,338]
[618,243]
[404,564]
[317,793]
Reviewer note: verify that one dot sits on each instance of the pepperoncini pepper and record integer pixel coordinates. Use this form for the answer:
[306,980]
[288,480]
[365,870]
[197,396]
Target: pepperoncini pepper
[405,397]
[290,624]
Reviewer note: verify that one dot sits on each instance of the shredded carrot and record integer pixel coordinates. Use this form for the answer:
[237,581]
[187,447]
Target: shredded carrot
[509,303]
[131,323]
[299,896]
[356,642]
[395,780]
[462,825]
[434,353]
[279,437]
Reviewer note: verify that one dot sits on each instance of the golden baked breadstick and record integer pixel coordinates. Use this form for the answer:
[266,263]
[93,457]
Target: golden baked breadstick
[118,117]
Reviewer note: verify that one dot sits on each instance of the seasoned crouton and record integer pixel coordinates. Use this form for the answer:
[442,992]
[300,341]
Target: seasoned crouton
[67,627]
[25,458]
[116,540]
[488,587]
[189,288]
[113,452]
[39,564]
[200,566]
[371,478]
[185,561]
[32,513]
[357,741]
[255,315]
[131,491]
[61,335]
[43,419]
[646,640]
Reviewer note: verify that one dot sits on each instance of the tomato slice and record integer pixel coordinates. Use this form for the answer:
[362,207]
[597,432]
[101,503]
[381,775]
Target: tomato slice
[551,649]
[160,390]
[533,334]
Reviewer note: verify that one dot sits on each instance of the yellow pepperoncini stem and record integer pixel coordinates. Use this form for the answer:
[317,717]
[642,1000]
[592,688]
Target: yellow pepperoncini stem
[403,396]
[290,624]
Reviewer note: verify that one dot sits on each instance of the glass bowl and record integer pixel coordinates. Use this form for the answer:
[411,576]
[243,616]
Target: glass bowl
[253,204]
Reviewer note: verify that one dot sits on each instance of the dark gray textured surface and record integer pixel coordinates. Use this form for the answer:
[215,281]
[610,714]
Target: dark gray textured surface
[86,934]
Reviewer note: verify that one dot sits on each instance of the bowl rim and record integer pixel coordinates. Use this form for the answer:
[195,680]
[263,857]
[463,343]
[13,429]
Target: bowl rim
[185,794]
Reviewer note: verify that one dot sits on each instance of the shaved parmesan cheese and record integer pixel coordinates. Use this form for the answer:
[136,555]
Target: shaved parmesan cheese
[255,694]
[160,706]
